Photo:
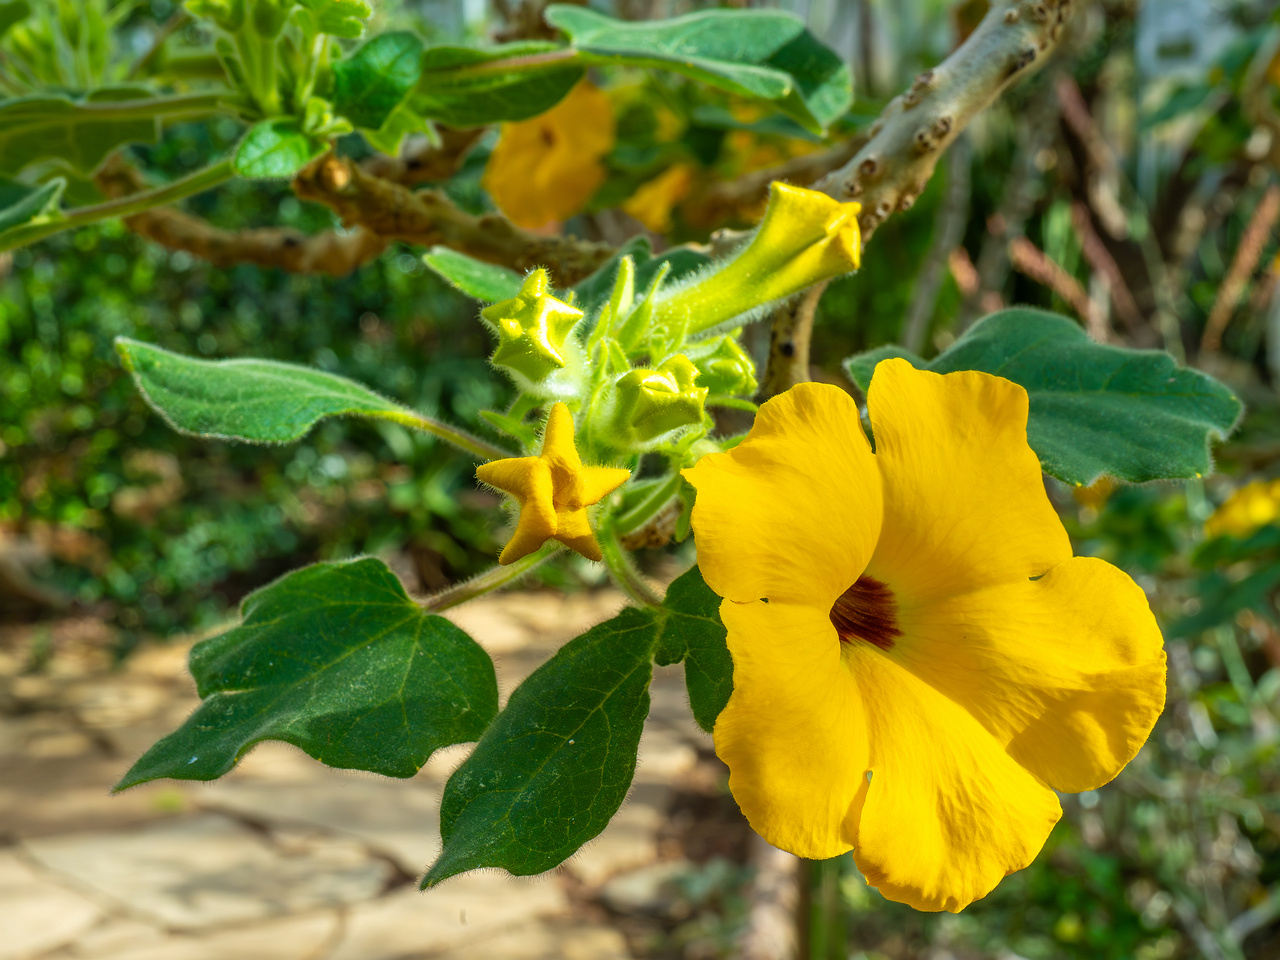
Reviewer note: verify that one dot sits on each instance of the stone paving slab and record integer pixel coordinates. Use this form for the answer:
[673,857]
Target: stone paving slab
[209,870]
[35,915]
[285,859]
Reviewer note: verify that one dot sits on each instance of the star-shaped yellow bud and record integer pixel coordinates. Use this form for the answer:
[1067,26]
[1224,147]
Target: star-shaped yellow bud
[554,490]
[532,328]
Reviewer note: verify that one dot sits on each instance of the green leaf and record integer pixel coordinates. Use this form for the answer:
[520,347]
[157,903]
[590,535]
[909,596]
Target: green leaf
[465,87]
[594,292]
[275,149]
[339,18]
[11,12]
[475,278]
[373,81]
[555,766]
[861,366]
[256,401]
[692,632]
[402,122]
[337,660]
[1096,410]
[76,134]
[764,54]
[21,203]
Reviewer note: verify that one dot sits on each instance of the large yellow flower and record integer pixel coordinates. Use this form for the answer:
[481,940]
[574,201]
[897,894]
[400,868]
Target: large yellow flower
[547,168]
[917,656]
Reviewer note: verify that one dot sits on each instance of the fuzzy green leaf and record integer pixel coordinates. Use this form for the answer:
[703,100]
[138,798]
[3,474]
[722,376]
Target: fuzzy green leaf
[1096,410]
[373,81]
[337,660]
[555,766]
[76,134]
[275,149]
[764,54]
[484,281]
[255,401]
[692,632]
[466,87]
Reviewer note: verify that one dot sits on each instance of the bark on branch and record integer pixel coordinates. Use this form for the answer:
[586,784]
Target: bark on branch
[891,170]
[426,217]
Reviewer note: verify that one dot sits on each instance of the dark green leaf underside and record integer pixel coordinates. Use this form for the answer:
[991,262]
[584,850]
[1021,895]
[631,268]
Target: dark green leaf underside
[1095,410]
[337,660]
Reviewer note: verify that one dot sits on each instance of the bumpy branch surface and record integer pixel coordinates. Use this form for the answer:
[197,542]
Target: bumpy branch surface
[426,218]
[891,171]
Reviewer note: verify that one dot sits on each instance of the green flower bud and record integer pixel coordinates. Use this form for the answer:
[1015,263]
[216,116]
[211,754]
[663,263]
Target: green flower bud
[652,403]
[724,368]
[534,330]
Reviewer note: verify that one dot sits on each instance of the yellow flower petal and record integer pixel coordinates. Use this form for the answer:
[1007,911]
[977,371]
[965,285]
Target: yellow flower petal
[964,500]
[546,168]
[794,730]
[553,490]
[1067,672]
[948,813]
[793,512]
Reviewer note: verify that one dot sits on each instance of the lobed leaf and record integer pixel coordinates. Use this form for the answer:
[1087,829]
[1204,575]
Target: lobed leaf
[692,632]
[337,660]
[552,770]
[765,54]
[371,83]
[484,281]
[466,87]
[255,401]
[275,149]
[1096,410]
[76,134]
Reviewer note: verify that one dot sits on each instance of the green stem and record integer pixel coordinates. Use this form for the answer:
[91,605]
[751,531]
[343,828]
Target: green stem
[459,438]
[119,110]
[648,508]
[619,563]
[134,203]
[489,581]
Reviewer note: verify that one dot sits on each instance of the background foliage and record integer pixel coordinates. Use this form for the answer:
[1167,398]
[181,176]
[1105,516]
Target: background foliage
[105,511]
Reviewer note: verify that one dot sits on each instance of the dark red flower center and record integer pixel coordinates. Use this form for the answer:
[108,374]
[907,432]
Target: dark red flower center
[866,611]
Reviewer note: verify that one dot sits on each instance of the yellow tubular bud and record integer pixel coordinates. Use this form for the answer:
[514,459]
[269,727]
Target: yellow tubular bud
[806,237]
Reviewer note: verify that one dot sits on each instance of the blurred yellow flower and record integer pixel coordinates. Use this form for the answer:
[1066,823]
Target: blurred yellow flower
[1246,511]
[652,203]
[554,490]
[547,168]
[918,659]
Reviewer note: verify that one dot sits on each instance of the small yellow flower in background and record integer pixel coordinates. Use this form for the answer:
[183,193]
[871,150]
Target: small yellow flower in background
[553,490]
[547,168]
[653,202]
[917,656]
[1246,511]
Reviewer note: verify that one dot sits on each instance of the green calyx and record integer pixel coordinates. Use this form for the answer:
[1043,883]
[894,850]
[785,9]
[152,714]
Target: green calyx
[653,403]
[534,330]
[724,368]
[228,14]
